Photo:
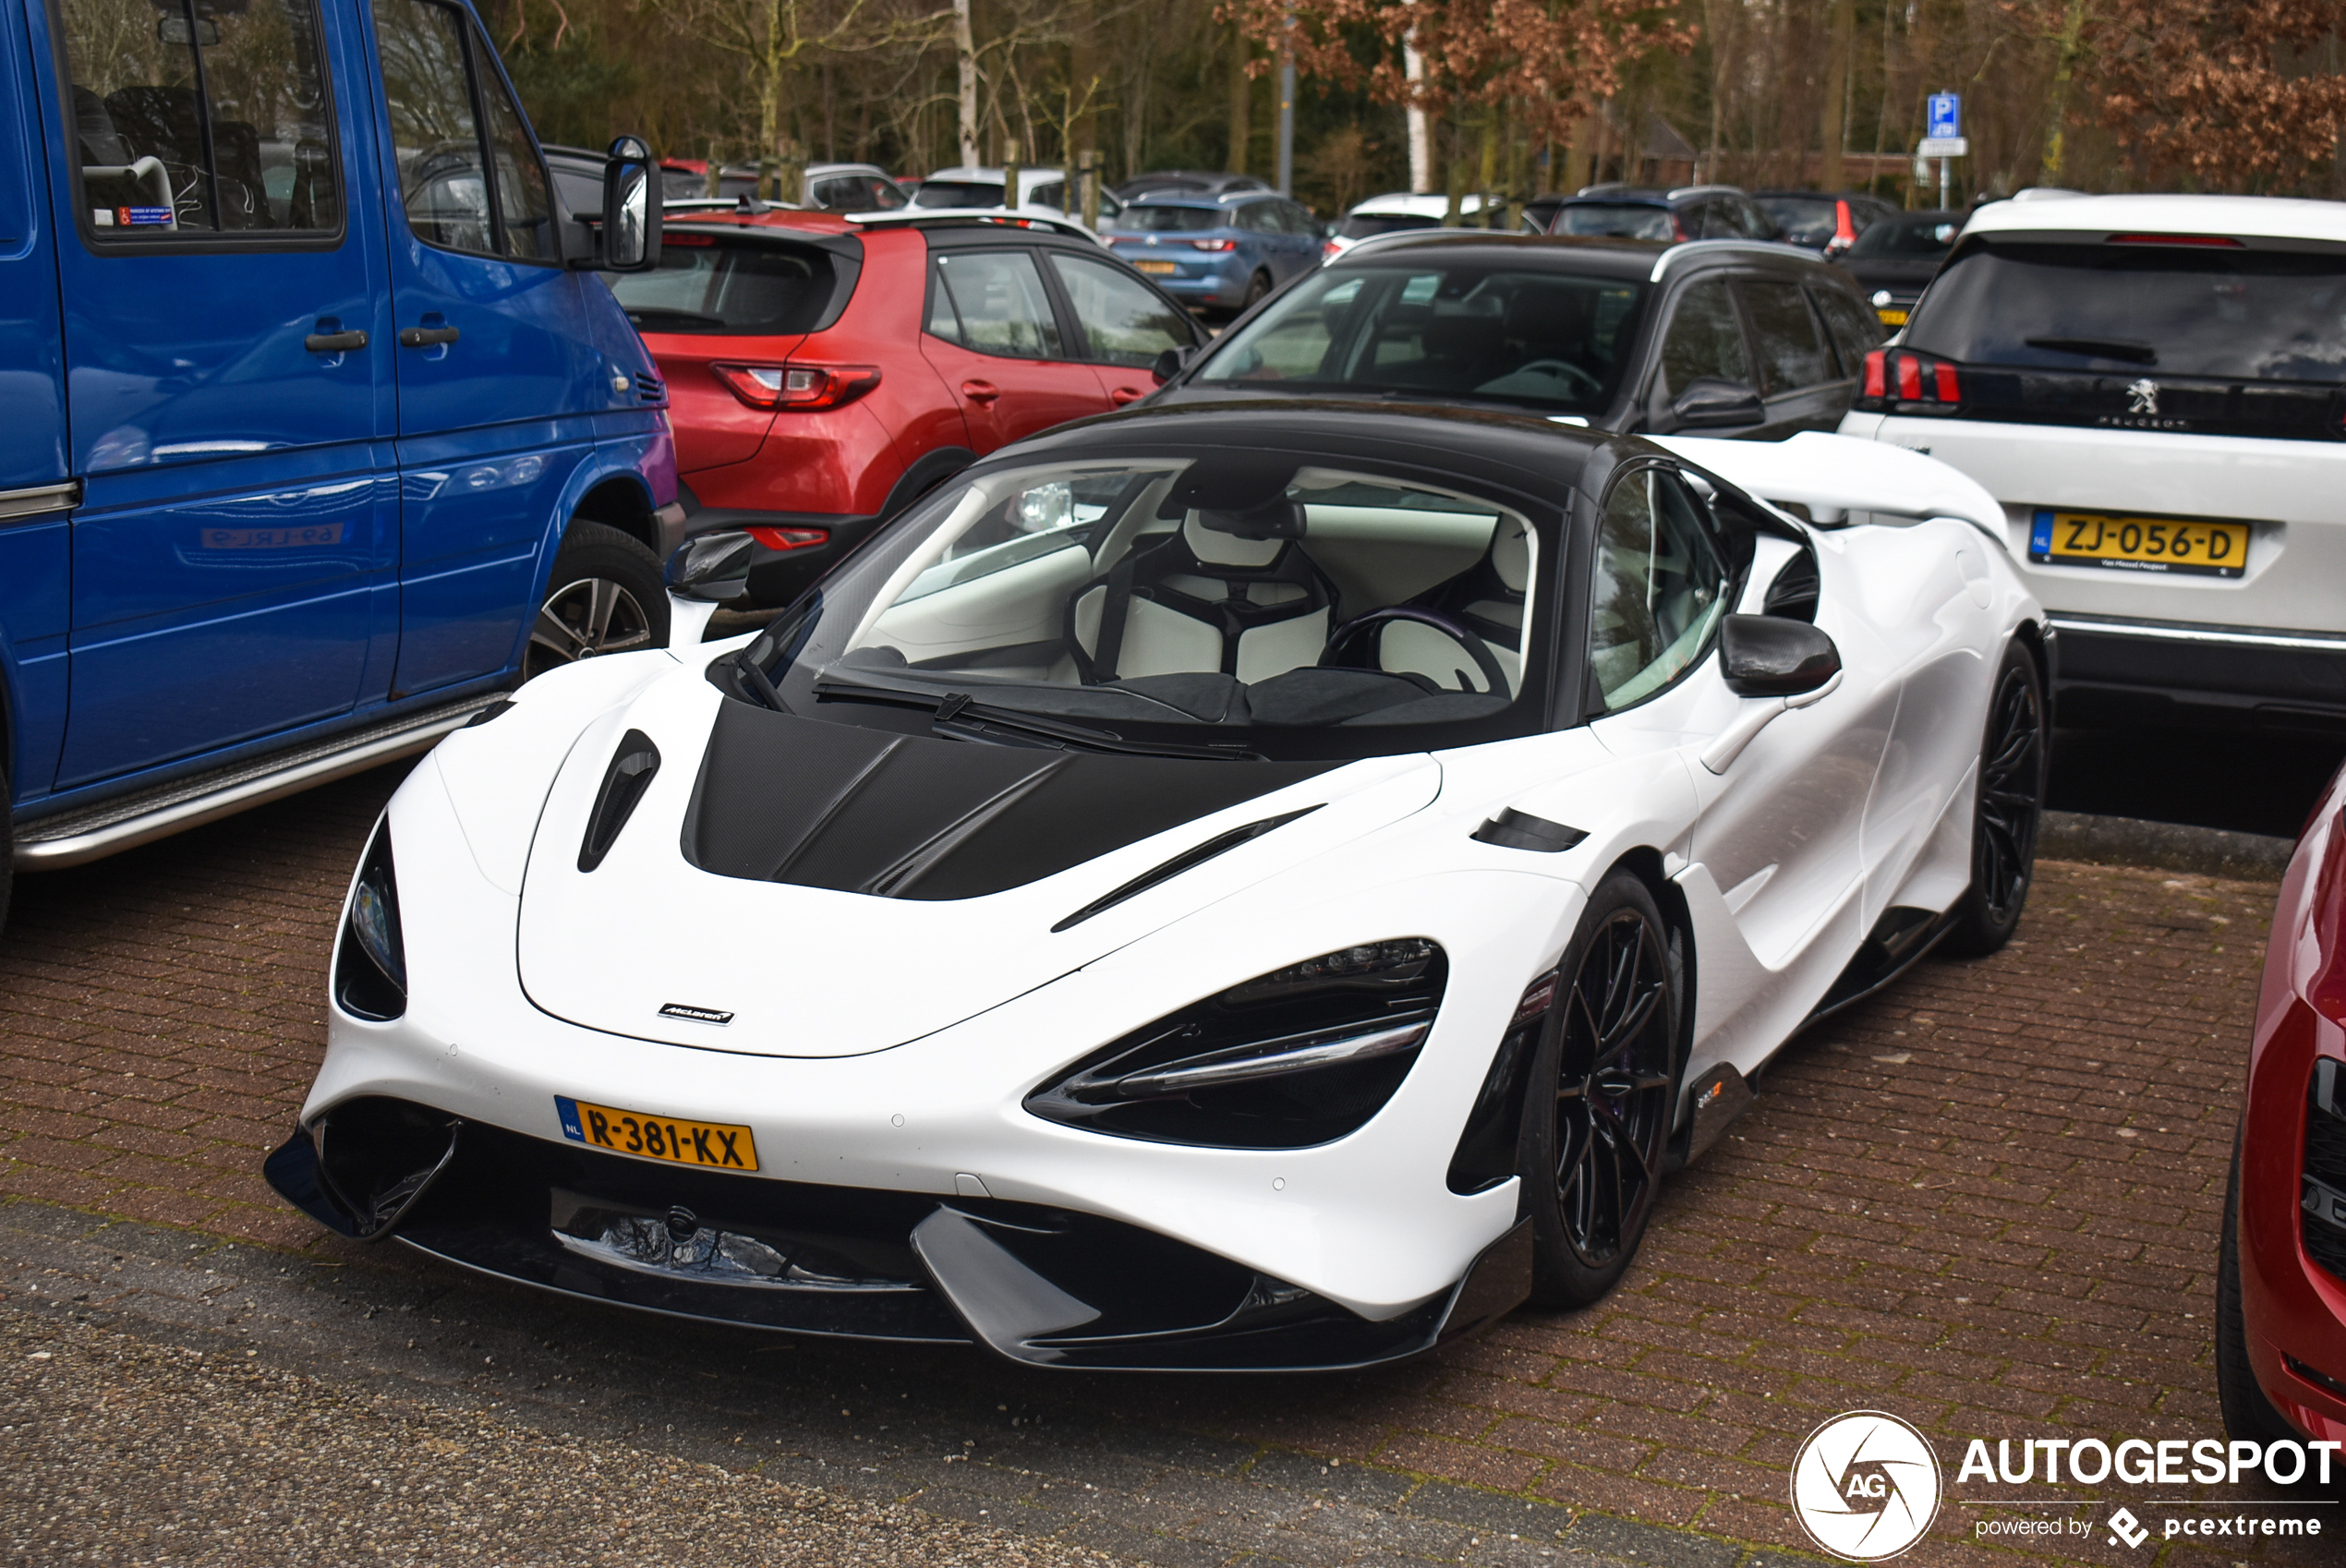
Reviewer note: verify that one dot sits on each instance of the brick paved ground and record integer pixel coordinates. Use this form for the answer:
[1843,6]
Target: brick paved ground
[1987,1201]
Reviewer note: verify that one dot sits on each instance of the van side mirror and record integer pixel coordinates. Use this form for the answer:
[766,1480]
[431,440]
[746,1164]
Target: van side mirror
[1708,403]
[631,208]
[1767,655]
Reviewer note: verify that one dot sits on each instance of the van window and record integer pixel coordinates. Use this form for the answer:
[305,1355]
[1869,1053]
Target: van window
[201,119]
[436,66]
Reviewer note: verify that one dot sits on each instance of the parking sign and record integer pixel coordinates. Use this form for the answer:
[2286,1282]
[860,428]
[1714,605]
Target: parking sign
[1946,115]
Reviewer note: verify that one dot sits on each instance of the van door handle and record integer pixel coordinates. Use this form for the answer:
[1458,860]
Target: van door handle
[334,342]
[979,391]
[425,337]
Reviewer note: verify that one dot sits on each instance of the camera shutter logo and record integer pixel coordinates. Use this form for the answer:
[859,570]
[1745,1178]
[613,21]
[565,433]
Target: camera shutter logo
[1866,1485]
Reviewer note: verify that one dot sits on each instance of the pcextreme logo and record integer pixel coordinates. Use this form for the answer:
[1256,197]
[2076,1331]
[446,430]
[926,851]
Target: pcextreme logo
[1866,1485]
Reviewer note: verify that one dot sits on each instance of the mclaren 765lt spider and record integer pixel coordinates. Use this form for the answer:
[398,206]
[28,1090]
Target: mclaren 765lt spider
[1210,888]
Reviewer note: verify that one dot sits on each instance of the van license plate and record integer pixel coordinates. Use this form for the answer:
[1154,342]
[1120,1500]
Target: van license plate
[2137,544]
[719,1144]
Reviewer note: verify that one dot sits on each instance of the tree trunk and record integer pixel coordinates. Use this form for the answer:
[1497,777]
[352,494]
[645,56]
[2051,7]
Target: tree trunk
[1713,16]
[1241,102]
[1832,121]
[2067,47]
[1420,135]
[965,53]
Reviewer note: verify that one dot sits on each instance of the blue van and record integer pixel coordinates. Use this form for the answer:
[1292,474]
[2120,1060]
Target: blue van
[316,431]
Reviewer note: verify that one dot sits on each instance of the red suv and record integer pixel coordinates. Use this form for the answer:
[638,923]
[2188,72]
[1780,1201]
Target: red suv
[823,373]
[2280,1277]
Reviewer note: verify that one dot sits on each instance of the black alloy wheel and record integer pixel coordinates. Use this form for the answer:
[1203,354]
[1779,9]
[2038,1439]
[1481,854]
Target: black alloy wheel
[2013,759]
[604,596]
[1604,1086]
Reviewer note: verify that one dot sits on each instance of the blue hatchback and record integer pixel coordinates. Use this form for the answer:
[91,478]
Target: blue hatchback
[1217,253]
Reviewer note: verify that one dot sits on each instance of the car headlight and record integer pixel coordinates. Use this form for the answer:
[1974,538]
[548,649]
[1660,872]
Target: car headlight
[1302,1055]
[370,963]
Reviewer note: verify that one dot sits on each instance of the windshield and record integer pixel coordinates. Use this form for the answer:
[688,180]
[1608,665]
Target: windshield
[717,284]
[1248,600]
[1805,220]
[1172,220]
[1541,340]
[1360,226]
[2179,310]
[958,193]
[1926,237]
[1614,220]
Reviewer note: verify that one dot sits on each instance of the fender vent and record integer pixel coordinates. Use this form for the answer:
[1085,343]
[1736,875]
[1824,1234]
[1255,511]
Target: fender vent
[625,783]
[650,390]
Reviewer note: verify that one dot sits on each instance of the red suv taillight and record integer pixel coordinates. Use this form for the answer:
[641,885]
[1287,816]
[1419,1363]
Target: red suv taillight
[801,387]
[1910,382]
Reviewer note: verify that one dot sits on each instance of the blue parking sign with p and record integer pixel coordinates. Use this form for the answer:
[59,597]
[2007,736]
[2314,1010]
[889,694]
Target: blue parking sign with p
[1946,115]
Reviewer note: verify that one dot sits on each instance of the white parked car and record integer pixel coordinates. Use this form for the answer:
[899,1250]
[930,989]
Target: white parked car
[2153,386]
[1199,890]
[984,188]
[1397,212]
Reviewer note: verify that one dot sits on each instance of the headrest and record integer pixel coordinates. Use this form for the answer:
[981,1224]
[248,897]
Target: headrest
[1276,519]
[1215,546]
[1549,311]
[1229,481]
[1511,554]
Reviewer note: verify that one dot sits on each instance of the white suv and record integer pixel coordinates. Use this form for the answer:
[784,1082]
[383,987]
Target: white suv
[2153,386]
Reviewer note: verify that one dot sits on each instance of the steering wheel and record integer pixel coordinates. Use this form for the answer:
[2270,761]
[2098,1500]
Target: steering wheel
[1339,644]
[1564,370]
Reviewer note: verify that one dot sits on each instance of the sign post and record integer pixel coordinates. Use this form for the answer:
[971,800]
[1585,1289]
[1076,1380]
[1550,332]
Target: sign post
[1944,139]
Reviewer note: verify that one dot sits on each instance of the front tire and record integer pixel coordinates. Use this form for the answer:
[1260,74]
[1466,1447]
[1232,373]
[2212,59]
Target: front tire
[1604,1086]
[2248,1414]
[604,596]
[2012,760]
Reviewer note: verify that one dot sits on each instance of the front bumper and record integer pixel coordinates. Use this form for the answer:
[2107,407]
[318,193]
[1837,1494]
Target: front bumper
[1037,1285]
[2292,1306]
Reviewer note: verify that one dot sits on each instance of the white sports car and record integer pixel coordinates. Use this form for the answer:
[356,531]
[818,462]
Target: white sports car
[1207,888]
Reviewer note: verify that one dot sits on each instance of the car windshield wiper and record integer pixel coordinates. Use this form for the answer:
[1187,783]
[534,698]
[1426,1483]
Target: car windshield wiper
[2100,348]
[959,712]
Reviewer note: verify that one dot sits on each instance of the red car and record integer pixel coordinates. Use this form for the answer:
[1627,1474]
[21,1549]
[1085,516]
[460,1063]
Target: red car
[822,373]
[2281,1283]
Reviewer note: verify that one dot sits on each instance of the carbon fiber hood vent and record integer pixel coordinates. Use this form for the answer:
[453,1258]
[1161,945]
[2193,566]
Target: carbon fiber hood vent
[816,804]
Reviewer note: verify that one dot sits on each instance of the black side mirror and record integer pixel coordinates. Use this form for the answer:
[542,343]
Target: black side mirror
[1767,655]
[1708,403]
[1170,363]
[631,208]
[713,568]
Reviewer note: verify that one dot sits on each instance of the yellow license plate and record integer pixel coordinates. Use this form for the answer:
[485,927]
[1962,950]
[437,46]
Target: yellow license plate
[1892,318]
[719,1144]
[2138,543]
[1157,268]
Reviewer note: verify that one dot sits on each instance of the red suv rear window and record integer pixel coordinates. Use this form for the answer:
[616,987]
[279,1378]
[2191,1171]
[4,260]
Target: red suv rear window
[746,284]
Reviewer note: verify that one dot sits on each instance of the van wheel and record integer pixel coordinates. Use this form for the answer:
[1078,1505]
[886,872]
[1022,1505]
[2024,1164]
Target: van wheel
[604,596]
[7,848]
